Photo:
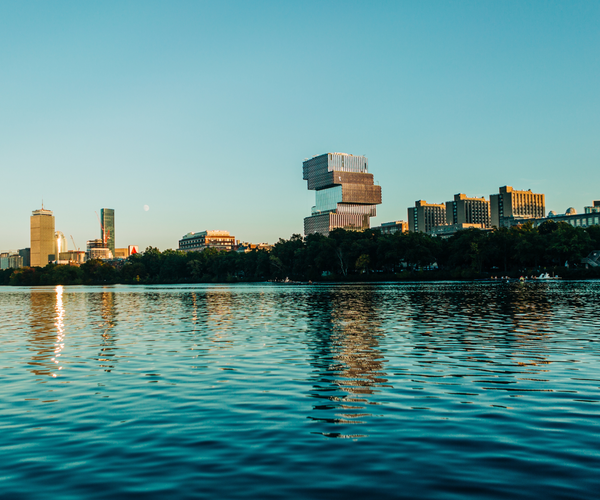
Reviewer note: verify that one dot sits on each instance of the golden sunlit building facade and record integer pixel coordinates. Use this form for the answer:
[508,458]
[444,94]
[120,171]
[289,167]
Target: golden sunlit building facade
[43,242]
[510,207]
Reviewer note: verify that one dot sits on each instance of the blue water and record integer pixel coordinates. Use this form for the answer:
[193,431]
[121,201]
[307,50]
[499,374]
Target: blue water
[434,390]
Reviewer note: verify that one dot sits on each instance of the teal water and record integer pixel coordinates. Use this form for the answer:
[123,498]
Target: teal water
[434,390]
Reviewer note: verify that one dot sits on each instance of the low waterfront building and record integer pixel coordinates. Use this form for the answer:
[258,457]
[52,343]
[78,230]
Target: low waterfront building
[465,210]
[511,207]
[399,226]
[245,247]
[589,218]
[423,217]
[123,253]
[197,242]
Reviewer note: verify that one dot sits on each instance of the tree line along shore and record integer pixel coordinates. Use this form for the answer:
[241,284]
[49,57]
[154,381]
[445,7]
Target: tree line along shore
[554,247]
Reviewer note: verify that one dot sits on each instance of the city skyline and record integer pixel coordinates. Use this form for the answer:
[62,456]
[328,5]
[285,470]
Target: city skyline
[133,106]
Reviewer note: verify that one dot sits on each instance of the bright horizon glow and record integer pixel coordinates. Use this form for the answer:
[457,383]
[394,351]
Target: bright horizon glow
[205,111]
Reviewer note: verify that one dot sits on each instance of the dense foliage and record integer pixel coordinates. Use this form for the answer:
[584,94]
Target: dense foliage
[347,255]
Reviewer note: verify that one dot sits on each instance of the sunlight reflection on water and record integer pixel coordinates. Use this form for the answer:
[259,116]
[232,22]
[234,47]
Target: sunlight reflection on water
[438,389]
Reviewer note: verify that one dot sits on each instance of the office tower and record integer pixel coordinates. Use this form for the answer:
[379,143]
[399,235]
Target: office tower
[196,242]
[25,253]
[346,196]
[107,220]
[43,247]
[423,217]
[511,207]
[465,210]
[61,243]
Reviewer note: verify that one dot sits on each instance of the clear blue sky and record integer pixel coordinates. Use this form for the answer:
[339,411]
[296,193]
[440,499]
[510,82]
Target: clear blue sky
[205,111]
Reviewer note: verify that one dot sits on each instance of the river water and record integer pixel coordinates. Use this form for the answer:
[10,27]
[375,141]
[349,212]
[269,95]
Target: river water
[431,390]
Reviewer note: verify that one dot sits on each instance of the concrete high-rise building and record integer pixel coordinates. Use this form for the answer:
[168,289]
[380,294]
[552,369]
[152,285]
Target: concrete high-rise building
[346,196]
[423,217]
[511,207]
[43,243]
[107,219]
[464,210]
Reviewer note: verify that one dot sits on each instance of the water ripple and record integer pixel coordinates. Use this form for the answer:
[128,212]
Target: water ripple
[450,390]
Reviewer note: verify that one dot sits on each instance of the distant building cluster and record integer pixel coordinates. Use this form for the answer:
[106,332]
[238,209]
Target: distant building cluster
[346,197]
[50,246]
[508,208]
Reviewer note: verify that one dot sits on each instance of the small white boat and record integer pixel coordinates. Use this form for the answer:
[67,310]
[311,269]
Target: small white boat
[546,276]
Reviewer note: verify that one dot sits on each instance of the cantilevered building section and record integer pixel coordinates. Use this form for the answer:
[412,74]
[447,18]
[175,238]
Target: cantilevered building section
[346,196]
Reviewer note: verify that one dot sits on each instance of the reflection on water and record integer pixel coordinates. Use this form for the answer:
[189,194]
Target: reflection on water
[446,389]
[106,325]
[47,316]
[346,329]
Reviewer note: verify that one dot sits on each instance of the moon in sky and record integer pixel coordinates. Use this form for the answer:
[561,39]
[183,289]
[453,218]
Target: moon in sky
[146,208]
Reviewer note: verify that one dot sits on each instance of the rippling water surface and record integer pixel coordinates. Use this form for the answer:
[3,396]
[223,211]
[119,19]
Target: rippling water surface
[436,390]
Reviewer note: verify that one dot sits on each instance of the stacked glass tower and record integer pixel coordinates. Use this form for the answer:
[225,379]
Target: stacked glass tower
[346,196]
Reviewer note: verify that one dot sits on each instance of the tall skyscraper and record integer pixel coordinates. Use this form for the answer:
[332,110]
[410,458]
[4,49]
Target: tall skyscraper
[346,196]
[107,219]
[43,243]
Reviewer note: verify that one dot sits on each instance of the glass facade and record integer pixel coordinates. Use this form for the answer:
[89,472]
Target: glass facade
[346,195]
[327,200]
[107,219]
